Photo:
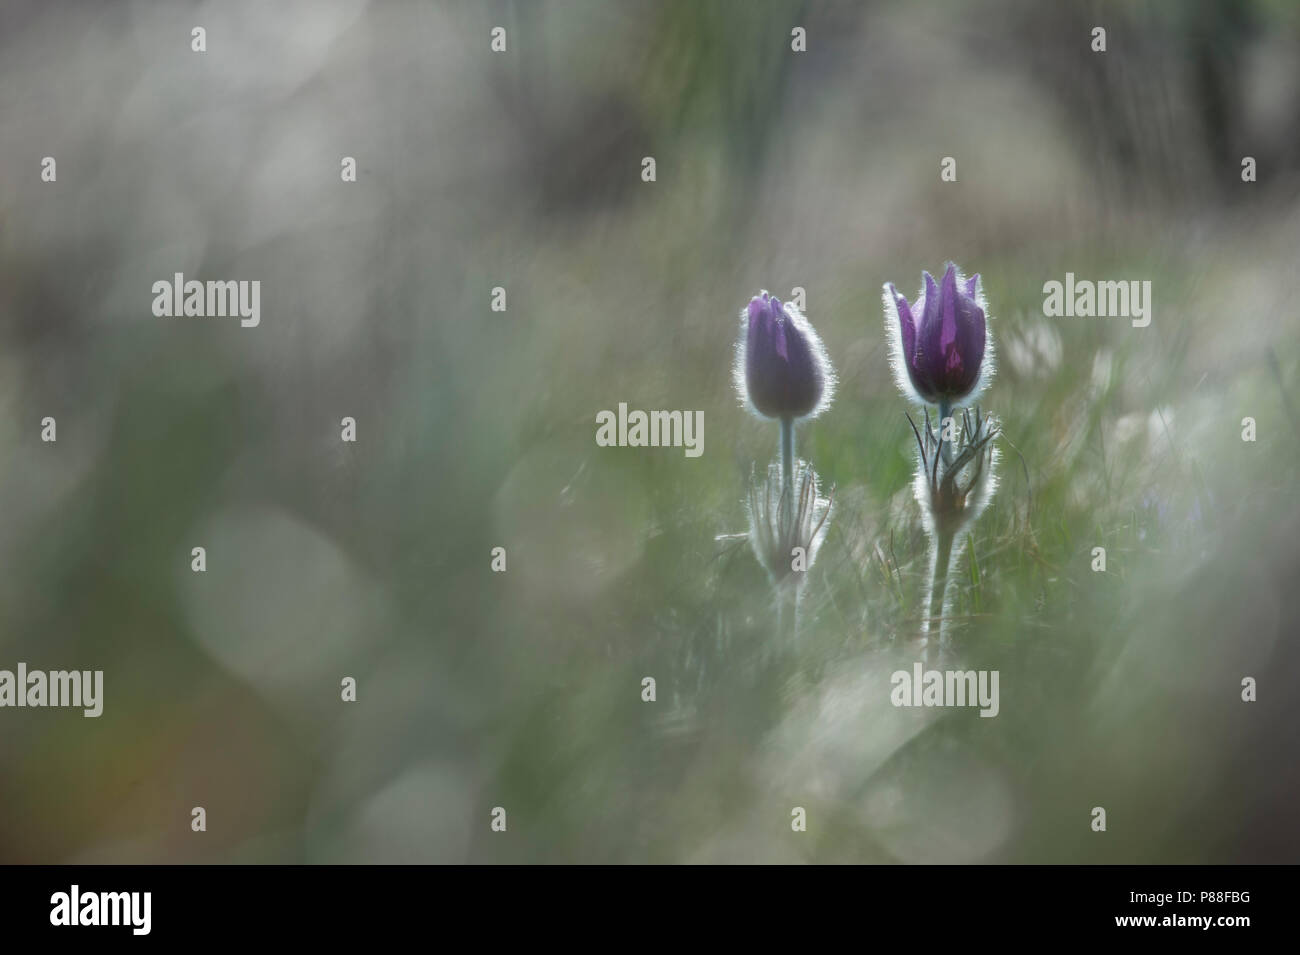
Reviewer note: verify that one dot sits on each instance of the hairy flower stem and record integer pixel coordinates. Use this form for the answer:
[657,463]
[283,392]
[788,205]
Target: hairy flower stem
[787,613]
[945,446]
[934,625]
[787,591]
[787,458]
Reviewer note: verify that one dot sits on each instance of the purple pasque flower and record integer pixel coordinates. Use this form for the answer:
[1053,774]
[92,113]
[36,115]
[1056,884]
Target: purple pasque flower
[781,367]
[942,354]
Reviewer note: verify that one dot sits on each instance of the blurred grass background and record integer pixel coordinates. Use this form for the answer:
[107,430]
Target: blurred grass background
[476,430]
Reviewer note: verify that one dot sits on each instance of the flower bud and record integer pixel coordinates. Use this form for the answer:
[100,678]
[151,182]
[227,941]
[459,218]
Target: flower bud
[781,367]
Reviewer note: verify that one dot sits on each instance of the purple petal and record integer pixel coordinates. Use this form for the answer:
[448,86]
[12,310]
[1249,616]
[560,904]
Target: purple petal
[931,295]
[971,338]
[781,323]
[906,324]
[927,366]
[948,336]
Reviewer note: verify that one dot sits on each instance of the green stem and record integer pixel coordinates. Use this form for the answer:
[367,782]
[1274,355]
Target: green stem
[934,625]
[788,597]
[787,613]
[945,447]
[787,457]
